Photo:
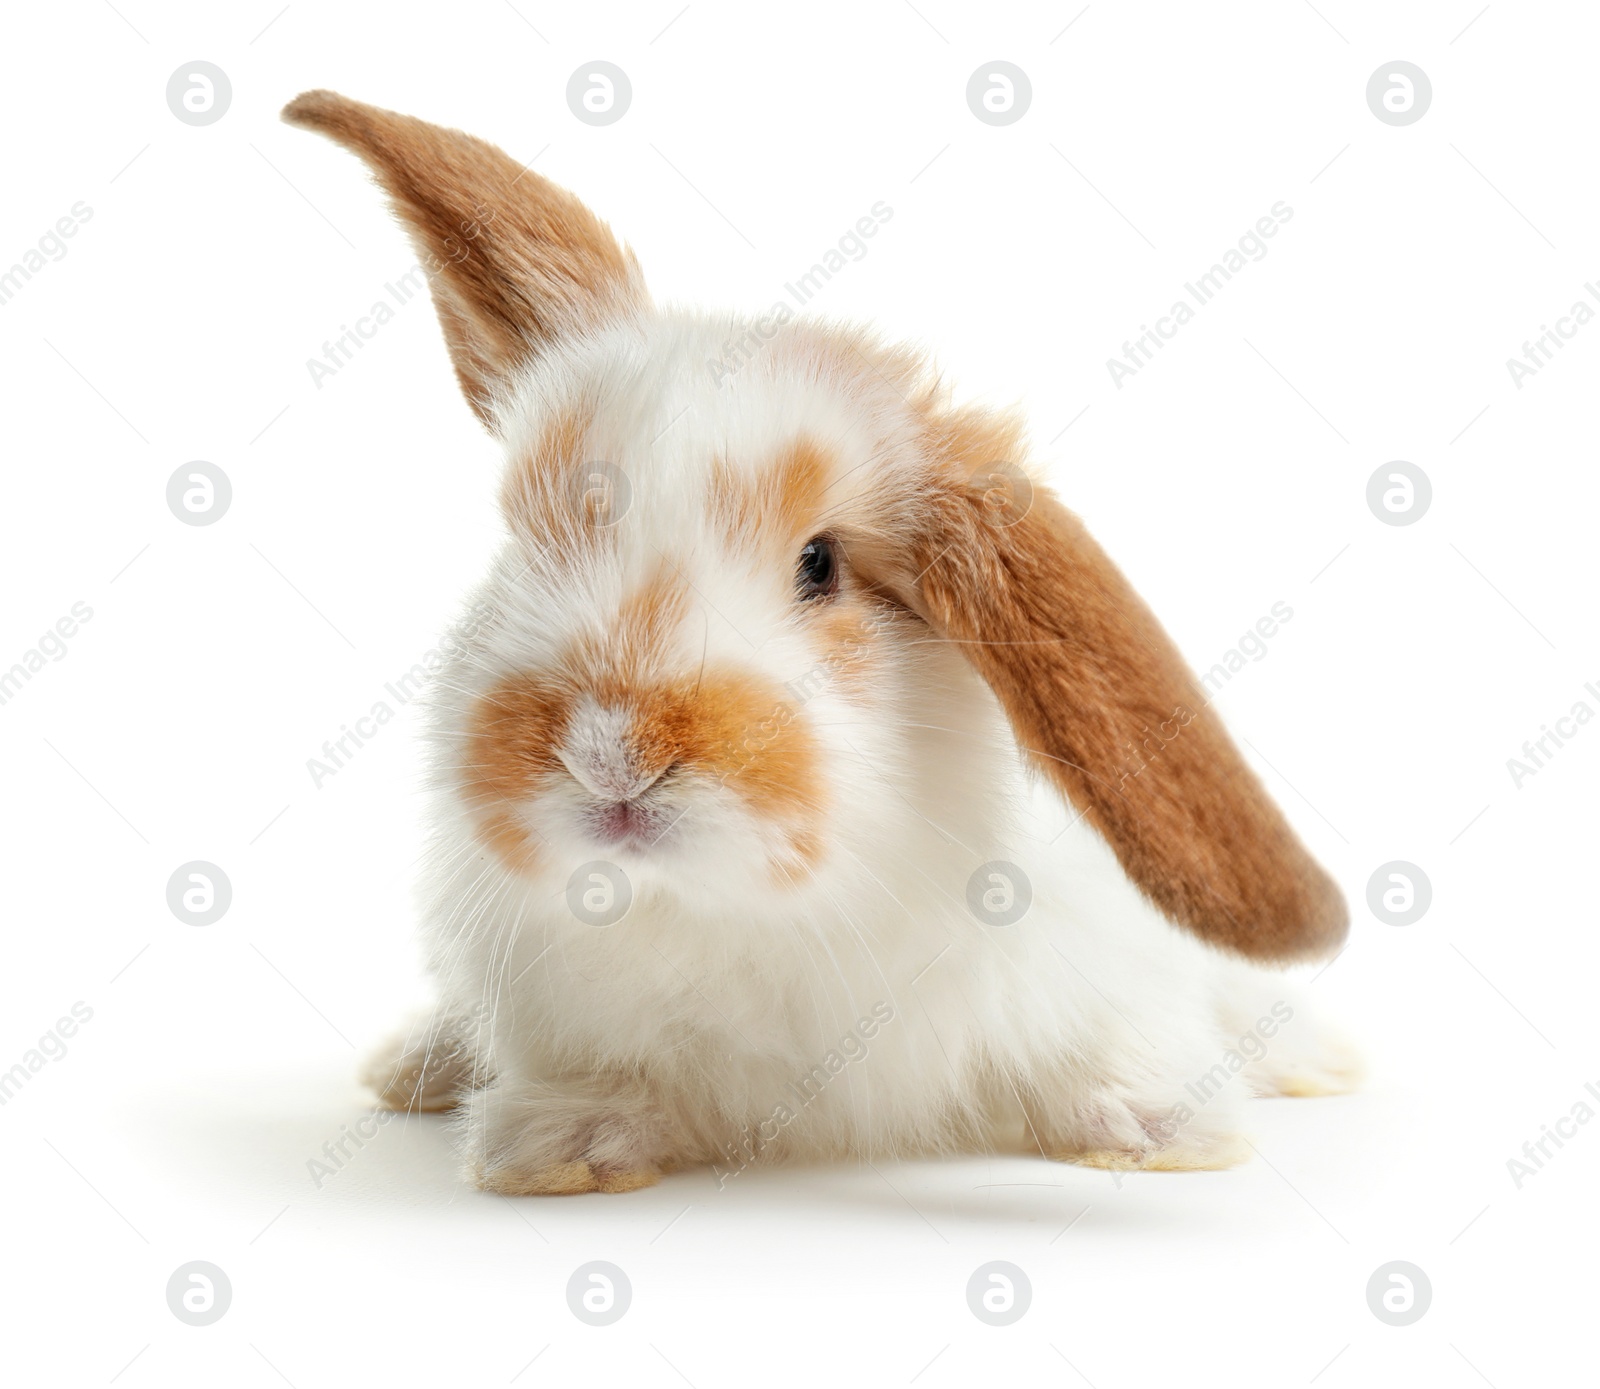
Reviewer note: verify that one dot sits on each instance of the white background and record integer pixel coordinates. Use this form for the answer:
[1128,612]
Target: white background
[1230,474]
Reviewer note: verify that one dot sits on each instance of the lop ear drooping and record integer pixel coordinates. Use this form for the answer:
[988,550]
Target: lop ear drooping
[514,262]
[1106,707]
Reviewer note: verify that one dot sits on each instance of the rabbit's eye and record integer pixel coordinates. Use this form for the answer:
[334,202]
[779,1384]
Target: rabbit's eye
[818,573]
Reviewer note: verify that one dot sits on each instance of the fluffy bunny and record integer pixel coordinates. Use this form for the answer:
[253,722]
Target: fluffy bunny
[807,783]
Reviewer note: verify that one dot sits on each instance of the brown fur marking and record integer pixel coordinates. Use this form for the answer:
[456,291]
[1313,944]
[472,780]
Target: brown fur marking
[513,261]
[774,510]
[1104,704]
[546,494]
[722,723]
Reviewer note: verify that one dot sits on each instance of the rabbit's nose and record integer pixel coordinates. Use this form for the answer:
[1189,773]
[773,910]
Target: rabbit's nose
[599,753]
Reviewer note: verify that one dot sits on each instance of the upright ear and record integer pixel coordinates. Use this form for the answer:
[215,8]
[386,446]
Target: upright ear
[513,261]
[1104,704]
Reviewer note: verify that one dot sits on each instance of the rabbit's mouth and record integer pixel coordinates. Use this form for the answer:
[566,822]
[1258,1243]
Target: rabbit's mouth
[634,824]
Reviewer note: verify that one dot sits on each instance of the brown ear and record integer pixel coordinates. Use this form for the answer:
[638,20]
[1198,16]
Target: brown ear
[1103,702]
[513,261]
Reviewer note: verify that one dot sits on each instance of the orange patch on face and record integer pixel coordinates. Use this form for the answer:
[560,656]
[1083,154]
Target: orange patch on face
[846,632]
[754,742]
[510,754]
[794,868]
[733,727]
[510,842]
[778,506]
[795,487]
[722,724]
[549,495]
[626,655]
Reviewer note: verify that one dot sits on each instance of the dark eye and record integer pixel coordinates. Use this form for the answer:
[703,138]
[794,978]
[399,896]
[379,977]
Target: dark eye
[818,573]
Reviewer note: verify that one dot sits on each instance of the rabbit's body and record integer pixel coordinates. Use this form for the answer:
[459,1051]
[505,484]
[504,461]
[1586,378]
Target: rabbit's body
[796,662]
[683,1035]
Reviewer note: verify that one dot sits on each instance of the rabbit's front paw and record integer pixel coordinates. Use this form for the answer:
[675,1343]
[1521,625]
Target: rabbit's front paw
[1320,1064]
[1128,1134]
[527,1138]
[427,1068]
[559,1179]
[1211,1154]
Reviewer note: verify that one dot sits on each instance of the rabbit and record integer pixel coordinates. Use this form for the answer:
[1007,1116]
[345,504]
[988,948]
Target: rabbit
[808,785]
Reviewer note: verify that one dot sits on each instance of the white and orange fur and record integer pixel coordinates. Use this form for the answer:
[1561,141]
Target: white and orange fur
[800,787]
